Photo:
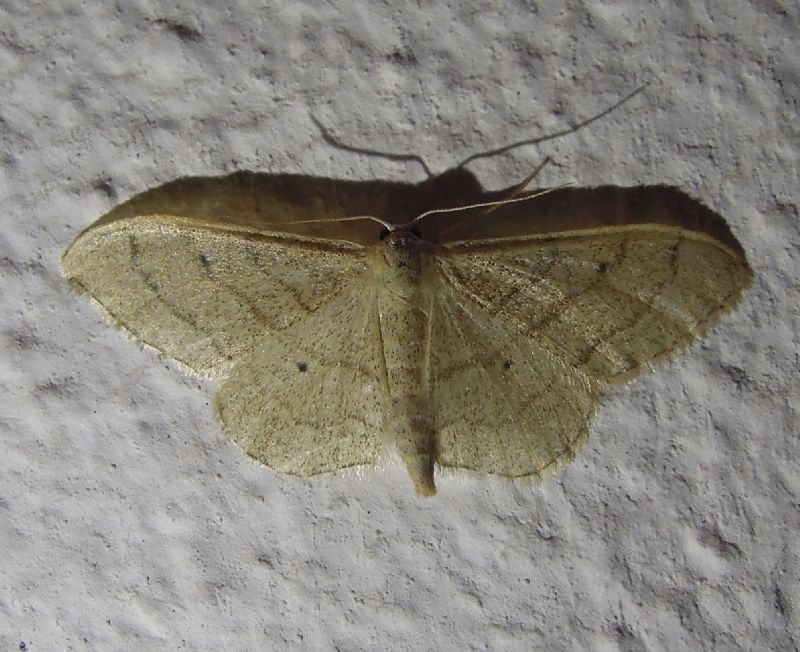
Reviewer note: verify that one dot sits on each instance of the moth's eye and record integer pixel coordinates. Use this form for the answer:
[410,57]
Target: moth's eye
[384,233]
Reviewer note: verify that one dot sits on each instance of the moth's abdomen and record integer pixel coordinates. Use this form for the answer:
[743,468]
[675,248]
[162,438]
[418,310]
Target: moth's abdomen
[410,425]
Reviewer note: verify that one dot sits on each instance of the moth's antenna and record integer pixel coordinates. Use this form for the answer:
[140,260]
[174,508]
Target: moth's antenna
[352,218]
[489,205]
[557,134]
[333,141]
[516,190]
[512,196]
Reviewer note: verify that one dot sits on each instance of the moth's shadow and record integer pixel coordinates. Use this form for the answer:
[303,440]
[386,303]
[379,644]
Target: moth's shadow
[315,206]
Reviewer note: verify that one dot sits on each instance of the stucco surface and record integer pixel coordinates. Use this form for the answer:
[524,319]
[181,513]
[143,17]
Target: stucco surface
[128,520]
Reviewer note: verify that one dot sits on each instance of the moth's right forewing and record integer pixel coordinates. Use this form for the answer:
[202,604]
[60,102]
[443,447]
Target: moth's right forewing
[606,301]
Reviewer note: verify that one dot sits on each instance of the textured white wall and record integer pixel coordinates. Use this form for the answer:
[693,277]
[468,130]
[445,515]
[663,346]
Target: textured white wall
[128,521]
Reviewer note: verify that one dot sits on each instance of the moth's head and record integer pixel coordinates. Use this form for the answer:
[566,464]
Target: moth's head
[400,236]
[402,245]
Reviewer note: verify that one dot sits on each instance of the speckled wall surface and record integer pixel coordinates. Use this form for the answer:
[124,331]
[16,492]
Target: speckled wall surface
[128,520]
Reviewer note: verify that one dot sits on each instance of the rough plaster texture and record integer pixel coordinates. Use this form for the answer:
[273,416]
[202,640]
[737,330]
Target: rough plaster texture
[128,521]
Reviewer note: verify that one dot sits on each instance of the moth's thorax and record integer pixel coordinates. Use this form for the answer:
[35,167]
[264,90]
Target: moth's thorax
[404,304]
[404,255]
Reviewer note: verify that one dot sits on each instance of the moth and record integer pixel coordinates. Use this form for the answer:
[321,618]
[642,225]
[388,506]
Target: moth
[463,328]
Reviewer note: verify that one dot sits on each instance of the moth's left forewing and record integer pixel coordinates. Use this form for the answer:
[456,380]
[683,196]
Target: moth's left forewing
[206,294]
[201,268]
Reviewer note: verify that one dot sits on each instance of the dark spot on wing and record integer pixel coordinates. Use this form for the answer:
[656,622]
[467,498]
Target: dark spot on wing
[602,266]
[674,251]
[507,363]
[135,250]
[302,367]
[205,262]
